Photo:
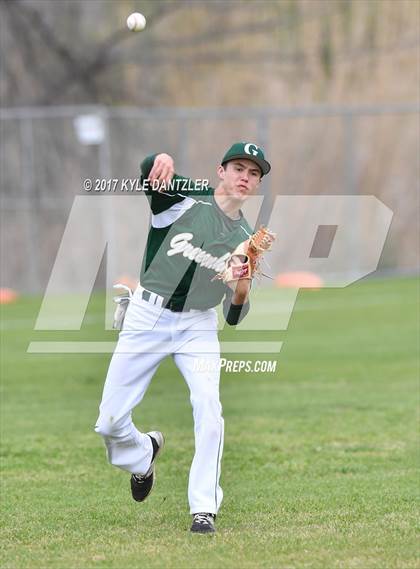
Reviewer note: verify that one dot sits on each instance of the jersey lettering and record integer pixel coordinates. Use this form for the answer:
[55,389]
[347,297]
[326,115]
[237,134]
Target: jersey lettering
[180,244]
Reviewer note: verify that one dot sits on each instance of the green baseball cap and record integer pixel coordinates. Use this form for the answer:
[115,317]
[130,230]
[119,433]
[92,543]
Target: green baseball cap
[249,151]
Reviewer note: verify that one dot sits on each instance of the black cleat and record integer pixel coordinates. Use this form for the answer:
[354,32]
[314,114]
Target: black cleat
[141,485]
[203,523]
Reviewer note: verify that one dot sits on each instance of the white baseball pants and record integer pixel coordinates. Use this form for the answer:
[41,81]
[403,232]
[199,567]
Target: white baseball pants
[149,335]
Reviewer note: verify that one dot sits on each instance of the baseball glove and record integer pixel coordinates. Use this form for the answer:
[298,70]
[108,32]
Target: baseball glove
[244,262]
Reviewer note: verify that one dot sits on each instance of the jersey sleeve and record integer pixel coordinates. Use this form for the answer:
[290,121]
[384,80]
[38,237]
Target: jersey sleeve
[179,188]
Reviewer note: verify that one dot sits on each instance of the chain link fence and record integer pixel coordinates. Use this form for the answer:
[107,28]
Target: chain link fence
[313,151]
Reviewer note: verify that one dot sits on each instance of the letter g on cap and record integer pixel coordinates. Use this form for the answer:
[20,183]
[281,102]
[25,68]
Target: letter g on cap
[251,149]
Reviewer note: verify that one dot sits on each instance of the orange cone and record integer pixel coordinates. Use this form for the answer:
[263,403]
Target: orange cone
[8,295]
[127,280]
[299,279]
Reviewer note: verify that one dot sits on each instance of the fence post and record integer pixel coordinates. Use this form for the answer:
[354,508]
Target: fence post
[350,187]
[108,214]
[28,177]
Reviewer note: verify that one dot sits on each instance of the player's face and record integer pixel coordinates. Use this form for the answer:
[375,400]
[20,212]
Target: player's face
[240,178]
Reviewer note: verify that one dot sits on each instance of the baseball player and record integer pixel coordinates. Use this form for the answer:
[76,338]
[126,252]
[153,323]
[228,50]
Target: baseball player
[187,270]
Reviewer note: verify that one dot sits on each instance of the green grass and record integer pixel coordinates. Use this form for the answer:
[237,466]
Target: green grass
[319,469]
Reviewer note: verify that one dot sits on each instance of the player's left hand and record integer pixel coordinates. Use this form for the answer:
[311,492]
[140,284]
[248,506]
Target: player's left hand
[241,289]
[244,263]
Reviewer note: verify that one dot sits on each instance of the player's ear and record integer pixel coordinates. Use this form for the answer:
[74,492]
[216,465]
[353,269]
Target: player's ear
[221,172]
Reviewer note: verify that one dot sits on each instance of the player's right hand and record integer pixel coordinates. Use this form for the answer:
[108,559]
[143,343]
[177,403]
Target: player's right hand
[163,169]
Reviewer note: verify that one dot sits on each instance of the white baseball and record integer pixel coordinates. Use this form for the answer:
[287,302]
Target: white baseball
[136,22]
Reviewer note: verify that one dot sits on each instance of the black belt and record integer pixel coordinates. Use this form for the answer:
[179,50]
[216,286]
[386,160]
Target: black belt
[165,302]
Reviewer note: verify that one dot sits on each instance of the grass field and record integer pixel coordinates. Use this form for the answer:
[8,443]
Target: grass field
[319,469]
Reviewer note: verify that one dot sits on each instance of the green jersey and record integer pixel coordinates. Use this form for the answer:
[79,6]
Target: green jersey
[189,241]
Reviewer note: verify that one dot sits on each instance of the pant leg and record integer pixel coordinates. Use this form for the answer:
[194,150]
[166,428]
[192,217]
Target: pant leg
[135,360]
[127,380]
[204,491]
